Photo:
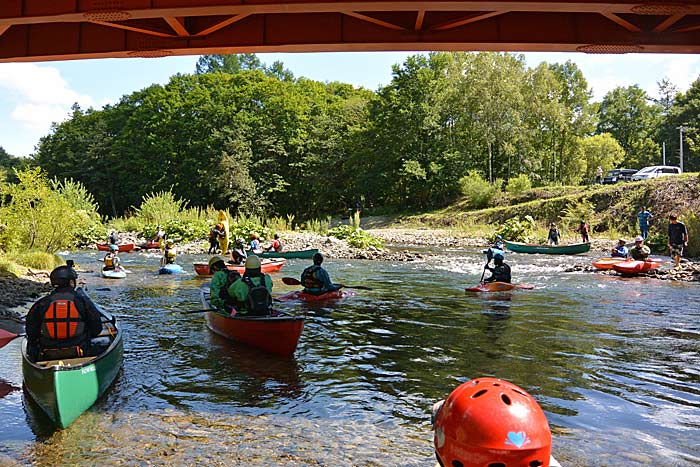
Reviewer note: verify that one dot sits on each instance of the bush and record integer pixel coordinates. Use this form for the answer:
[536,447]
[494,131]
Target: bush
[355,237]
[158,208]
[518,185]
[319,226]
[478,192]
[692,222]
[244,227]
[575,212]
[36,259]
[180,230]
[517,230]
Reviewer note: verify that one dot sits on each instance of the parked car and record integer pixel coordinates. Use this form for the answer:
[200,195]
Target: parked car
[618,175]
[656,171]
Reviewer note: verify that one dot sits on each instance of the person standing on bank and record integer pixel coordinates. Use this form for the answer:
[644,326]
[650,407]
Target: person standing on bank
[599,175]
[677,239]
[645,218]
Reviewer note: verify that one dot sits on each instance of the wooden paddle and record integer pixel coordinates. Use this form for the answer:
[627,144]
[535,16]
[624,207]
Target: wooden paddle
[6,337]
[292,281]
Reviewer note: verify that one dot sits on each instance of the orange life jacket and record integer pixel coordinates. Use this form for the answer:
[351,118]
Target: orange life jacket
[63,323]
[109,261]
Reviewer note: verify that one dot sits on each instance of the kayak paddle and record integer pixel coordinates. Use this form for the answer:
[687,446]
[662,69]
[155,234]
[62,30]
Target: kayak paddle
[292,281]
[199,311]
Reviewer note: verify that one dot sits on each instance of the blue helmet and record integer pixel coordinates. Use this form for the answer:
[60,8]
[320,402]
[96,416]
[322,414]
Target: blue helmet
[498,237]
[113,247]
[498,256]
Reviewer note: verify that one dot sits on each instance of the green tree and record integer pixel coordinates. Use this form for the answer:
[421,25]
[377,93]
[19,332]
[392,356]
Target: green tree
[600,151]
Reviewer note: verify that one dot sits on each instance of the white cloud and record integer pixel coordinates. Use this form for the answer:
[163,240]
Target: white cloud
[39,95]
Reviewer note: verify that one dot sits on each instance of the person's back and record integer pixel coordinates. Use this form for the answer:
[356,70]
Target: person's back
[500,272]
[316,280]
[222,279]
[276,244]
[61,324]
[113,238]
[252,293]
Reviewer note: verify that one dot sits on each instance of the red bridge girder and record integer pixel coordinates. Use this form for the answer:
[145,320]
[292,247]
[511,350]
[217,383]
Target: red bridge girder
[37,30]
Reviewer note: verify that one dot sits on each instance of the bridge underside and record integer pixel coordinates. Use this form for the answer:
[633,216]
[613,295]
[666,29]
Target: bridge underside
[36,30]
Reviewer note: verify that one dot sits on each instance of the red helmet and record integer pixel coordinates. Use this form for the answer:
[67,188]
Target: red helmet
[490,422]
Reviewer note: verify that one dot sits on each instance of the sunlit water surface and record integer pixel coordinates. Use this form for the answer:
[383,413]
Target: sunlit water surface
[614,363]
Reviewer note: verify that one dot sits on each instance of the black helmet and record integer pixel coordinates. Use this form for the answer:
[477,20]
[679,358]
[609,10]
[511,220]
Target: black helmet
[317,258]
[62,275]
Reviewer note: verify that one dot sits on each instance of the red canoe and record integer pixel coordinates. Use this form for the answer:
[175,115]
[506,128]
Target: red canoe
[123,248]
[299,295]
[278,334]
[149,245]
[635,267]
[267,266]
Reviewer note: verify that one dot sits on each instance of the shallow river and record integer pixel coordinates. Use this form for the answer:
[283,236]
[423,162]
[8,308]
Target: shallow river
[615,363]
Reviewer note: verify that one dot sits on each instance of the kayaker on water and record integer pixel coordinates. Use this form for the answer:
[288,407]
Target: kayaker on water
[500,272]
[554,235]
[61,324]
[640,252]
[169,254]
[252,293]
[491,422]
[223,278]
[276,244]
[498,247]
[238,254]
[316,280]
[113,238]
[621,250]
[111,259]
[214,234]
[677,239]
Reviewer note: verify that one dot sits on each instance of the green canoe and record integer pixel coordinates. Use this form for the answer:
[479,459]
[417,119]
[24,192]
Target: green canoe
[573,249]
[303,254]
[66,388]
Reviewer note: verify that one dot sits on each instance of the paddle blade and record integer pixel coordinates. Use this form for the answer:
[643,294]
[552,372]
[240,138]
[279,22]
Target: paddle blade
[525,286]
[6,337]
[290,281]
[199,311]
[358,287]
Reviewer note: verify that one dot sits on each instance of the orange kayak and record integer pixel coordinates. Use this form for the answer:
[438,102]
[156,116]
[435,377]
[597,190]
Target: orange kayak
[635,267]
[305,297]
[272,265]
[491,287]
[607,263]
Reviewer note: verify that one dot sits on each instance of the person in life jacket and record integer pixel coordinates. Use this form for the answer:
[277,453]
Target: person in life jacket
[61,324]
[498,247]
[500,272]
[315,279]
[214,234]
[111,259]
[170,253]
[159,236]
[491,422]
[221,280]
[238,254]
[255,244]
[620,251]
[276,244]
[252,293]
[113,238]
[554,235]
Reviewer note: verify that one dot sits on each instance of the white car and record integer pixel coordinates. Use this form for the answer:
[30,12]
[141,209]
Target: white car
[656,171]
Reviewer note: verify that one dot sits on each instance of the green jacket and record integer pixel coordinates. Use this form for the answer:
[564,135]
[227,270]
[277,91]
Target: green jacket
[239,290]
[218,281]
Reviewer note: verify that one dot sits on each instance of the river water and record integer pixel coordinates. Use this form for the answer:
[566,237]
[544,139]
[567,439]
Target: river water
[614,362]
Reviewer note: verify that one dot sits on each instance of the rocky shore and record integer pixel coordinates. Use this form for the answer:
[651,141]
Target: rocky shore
[16,292]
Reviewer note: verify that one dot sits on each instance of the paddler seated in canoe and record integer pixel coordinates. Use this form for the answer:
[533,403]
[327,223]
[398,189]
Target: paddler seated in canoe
[315,279]
[113,238]
[491,422]
[159,236]
[238,254]
[111,259]
[221,280]
[61,324]
[500,272]
[214,234]
[554,235]
[169,254]
[252,293]
[255,246]
[640,252]
[276,244]
[621,250]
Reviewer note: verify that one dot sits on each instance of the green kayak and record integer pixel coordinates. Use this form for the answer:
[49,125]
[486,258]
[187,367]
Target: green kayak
[302,254]
[573,249]
[66,388]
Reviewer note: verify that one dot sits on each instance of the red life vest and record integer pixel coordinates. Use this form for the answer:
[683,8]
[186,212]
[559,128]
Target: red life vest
[63,323]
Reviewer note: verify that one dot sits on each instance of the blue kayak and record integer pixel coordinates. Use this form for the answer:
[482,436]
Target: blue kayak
[170,269]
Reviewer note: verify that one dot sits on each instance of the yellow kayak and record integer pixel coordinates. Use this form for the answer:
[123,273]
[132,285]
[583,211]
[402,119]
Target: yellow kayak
[223,241]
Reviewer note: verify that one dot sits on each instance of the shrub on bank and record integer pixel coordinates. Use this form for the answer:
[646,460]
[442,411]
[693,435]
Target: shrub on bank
[355,237]
[35,259]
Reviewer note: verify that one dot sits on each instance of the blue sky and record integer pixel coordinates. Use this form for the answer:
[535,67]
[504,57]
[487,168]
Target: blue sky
[32,95]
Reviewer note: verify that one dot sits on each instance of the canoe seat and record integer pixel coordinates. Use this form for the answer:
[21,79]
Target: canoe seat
[65,362]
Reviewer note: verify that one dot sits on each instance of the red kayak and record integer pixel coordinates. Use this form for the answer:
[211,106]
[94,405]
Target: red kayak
[305,297]
[635,267]
[123,248]
[498,287]
[272,265]
[607,263]
[277,334]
